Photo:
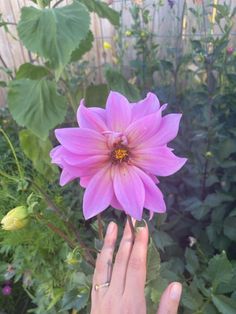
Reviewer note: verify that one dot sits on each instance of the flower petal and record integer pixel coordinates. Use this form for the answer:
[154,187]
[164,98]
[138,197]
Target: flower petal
[129,190]
[82,141]
[67,176]
[90,118]
[168,130]
[98,194]
[77,165]
[84,181]
[158,160]
[153,196]
[146,106]
[142,129]
[118,112]
[115,203]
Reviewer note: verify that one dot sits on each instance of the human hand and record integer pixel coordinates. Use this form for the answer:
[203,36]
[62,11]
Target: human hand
[125,292]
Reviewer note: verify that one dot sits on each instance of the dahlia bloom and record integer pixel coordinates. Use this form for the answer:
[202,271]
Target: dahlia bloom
[117,152]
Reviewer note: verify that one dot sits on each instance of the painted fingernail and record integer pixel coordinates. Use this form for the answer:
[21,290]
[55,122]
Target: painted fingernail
[175,291]
[111,227]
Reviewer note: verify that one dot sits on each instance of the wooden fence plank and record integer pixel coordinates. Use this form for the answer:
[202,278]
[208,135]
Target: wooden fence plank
[164,24]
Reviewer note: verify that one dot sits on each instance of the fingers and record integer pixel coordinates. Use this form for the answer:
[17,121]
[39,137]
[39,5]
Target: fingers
[103,267]
[121,261]
[136,271]
[170,299]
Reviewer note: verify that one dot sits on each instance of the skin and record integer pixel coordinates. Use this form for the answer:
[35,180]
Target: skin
[127,277]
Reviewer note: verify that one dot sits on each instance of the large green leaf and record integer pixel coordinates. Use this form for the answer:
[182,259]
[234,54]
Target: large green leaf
[37,150]
[36,105]
[224,304]
[229,226]
[96,95]
[162,239]
[192,263]
[42,3]
[102,10]
[219,270]
[54,33]
[84,46]
[118,83]
[31,71]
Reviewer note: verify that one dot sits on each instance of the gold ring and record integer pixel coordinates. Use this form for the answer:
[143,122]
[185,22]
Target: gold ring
[106,284]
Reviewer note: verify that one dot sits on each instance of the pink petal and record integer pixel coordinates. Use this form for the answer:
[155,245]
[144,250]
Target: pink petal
[90,118]
[153,197]
[85,161]
[141,130]
[77,165]
[59,154]
[167,132]
[158,160]
[129,190]
[82,141]
[118,112]
[115,203]
[66,177]
[146,106]
[98,194]
[84,181]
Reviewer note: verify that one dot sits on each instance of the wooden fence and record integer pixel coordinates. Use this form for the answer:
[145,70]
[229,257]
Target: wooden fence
[164,23]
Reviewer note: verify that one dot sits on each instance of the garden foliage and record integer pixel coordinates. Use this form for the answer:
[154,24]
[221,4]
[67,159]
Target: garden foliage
[49,261]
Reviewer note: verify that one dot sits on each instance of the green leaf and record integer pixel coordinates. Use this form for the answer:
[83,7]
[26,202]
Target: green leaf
[118,83]
[153,262]
[84,46]
[31,71]
[191,298]
[224,304]
[3,84]
[102,10]
[162,239]
[219,270]
[226,148]
[96,95]
[229,226]
[74,299]
[37,150]
[42,3]
[54,33]
[192,263]
[36,105]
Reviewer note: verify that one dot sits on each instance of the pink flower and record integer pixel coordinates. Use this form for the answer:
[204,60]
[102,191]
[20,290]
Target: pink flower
[6,290]
[117,153]
[229,50]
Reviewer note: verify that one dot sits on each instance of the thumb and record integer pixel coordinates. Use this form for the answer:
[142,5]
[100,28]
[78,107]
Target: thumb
[170,299]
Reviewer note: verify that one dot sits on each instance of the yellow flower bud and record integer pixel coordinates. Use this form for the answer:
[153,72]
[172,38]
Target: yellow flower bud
[106,45]
[15,218]
[209,154]
[128,33]
[143,34]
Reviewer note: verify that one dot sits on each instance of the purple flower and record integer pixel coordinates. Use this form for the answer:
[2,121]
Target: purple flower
[171,3]
[117,153]
[6,290]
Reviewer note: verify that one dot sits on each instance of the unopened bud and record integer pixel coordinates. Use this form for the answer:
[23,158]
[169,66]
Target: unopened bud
[16,218]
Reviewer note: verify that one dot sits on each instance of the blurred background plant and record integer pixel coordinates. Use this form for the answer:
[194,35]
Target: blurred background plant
[47,261]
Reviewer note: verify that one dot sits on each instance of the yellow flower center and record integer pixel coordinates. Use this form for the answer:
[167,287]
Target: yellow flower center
[120,154]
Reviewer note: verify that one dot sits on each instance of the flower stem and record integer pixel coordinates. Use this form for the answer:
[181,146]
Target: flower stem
[131,226]
[13,152]
[89,257]
[4,174]
[100,227]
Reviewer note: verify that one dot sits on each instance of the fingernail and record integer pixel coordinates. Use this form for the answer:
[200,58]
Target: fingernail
[111,227]
[175,291]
